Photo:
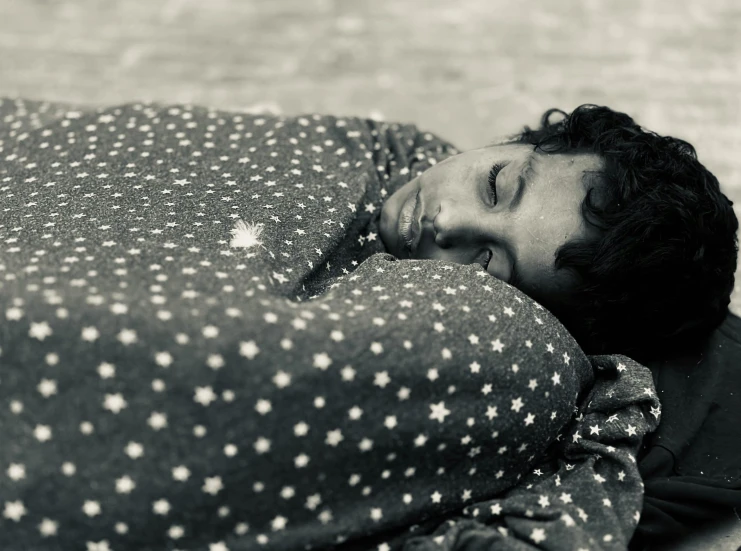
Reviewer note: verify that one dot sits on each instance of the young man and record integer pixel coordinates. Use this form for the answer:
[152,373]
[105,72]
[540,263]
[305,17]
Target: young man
[620,232]
[627,238]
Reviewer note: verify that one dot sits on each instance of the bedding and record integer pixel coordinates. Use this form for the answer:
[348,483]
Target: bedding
[206,347]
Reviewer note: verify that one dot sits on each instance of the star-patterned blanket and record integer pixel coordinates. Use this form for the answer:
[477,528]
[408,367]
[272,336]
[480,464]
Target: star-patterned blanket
[206,347]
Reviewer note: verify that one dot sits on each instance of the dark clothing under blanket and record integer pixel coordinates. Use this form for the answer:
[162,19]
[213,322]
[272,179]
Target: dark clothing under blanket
[691,465]
[205,347]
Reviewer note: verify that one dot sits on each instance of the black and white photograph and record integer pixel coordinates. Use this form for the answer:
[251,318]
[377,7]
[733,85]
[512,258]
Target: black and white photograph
[382,275]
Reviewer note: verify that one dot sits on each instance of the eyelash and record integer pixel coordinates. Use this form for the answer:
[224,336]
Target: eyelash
[493,173]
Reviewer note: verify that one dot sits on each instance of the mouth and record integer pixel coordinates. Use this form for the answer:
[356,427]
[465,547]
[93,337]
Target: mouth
[487,260]
[410,225]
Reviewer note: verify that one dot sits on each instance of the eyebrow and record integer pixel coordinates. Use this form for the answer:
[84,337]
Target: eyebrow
[526,171]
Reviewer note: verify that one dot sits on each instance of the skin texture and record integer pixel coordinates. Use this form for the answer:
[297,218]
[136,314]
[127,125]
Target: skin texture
[461,223]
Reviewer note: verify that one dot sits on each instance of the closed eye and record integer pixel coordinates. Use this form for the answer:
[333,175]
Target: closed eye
[493,173]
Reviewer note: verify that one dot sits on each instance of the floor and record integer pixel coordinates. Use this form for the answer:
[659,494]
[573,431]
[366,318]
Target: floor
[470,70]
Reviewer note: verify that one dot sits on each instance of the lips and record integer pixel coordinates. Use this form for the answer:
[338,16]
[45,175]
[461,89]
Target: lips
[408,233]
[416,225]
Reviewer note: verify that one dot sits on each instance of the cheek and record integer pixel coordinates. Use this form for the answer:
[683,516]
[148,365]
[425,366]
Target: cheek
[443,182]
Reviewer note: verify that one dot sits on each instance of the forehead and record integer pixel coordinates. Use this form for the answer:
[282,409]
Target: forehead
[583,161]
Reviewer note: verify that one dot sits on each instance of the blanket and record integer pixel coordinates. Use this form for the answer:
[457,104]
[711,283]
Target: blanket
[206,347]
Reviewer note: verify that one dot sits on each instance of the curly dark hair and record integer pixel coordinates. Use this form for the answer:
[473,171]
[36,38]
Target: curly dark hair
[658,279]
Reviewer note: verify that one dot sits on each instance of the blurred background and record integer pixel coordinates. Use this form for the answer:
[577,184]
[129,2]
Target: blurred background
[467,70]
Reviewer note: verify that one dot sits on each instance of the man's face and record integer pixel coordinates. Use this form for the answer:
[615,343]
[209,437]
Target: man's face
[537,209]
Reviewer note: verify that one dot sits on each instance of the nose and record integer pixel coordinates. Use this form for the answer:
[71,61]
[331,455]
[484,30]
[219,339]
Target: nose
[454,225]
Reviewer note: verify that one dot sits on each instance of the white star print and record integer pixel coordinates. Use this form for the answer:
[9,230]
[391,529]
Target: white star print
[278,523]
[382,379]
[39,330]
[47,387]
[281,379]
[249,349]
[125,485]
[439,411]
[180,473]
[263,407]
[262,445]
[322,361]
[161,507]
[204,395]
[517,404]
[16,471]
[48,527]
[212,485]
[42,433]
[538,535]
[91,508]
[420,440]
[14,510]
